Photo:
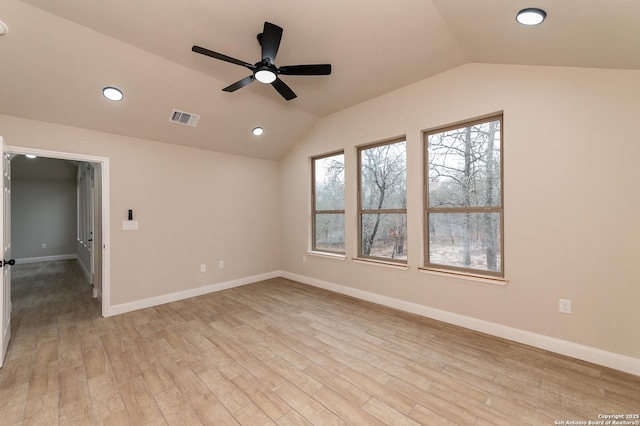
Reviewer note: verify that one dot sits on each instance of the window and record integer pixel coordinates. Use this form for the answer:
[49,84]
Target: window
[328,203]
[382,201]
[464,207]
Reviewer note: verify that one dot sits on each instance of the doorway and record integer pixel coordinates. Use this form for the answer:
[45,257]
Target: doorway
[99,229]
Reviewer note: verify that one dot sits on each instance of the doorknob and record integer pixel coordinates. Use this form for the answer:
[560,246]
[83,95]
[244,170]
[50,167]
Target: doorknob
[10,262]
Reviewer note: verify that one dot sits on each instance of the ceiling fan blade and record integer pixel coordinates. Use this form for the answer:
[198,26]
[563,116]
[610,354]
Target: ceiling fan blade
[283,89]
[221,57]
[316,69]
[239,84]
[270,40]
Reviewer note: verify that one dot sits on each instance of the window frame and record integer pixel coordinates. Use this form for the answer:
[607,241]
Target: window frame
[486,209]
[361,211]
[315,211]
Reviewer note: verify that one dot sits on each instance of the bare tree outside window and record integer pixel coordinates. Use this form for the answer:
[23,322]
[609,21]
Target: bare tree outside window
[382,207]
[328,203]
[464,197]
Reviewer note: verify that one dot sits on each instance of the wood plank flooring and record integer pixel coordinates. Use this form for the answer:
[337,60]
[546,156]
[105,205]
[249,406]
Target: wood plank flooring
[277,352]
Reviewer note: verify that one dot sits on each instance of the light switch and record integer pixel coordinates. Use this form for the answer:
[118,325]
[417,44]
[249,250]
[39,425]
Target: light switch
[130,225]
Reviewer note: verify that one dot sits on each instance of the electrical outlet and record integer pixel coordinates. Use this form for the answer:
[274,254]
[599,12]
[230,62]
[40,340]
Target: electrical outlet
[565,306]
[44,245]
[304,259]
[203,267]
[221,264]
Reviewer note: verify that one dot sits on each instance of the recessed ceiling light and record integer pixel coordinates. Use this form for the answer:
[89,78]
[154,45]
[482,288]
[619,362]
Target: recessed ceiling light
[112,93]
[3,28]
[257,131]
[31,156]
[531,16]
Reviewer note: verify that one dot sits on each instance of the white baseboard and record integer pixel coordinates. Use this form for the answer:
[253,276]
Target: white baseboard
[46,258]
[186,294]
[574,350]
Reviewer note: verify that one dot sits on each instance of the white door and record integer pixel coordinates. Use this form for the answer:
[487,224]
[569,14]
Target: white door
[6,261]
[92,215]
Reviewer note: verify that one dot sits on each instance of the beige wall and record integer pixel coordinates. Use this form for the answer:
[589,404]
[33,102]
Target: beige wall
[571,173]
[193,207]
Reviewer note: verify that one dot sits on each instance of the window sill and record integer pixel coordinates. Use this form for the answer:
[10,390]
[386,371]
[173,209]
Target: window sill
[463,276]
[334,256]
[392,265]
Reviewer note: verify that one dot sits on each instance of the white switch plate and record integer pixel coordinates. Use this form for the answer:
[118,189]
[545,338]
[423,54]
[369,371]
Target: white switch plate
[203,267]
[44,245]
[130,225]
[221,264]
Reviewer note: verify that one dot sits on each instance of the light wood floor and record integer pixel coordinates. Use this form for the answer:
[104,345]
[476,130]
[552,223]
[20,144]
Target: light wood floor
[276,352]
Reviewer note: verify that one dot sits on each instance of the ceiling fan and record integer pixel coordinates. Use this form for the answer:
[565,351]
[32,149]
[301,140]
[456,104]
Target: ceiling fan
[266,71]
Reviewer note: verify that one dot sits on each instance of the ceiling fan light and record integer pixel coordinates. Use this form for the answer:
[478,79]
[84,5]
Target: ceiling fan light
[265,76]
[531,16]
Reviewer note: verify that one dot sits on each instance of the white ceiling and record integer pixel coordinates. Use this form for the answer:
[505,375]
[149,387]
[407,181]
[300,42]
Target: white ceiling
[58,55]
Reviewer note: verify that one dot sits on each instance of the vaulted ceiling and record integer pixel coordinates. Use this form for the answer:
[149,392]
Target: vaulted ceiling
[58,55]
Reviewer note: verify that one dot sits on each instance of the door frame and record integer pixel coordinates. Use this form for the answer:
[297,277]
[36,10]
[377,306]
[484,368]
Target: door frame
[92,215]
[106,224]
[5,242]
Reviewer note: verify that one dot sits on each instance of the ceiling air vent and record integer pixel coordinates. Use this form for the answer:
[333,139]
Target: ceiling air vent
[186,118]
